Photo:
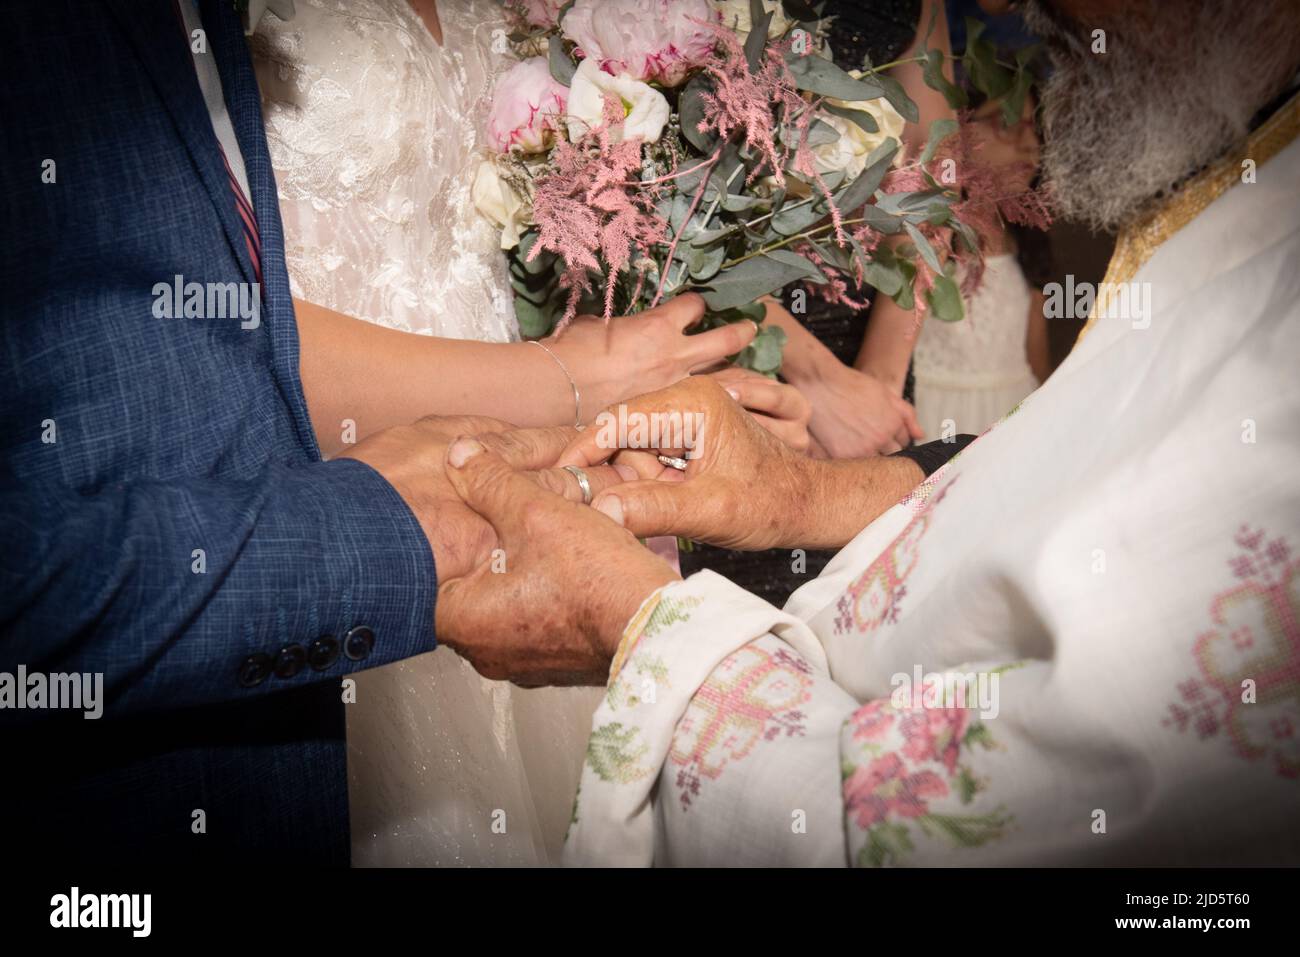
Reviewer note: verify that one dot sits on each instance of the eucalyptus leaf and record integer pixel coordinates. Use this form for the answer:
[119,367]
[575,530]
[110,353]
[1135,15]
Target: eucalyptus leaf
[923,245]
[932,73]
[795,218]
[753,311]
[980,60]
[905,298]
[706,237]
[817,75]
[893,91]
[534,321]
[702,264]
[940,130]
[938,214]
[747,281]
[562,68]
[916,203]
[756,42]
[888,278]
[880,220]
[819,133]
[945,300]
[1014,102]
[794,260]
[861,117]
[860,191]
[836,255]
[764,352]
[690,107]
[738,202]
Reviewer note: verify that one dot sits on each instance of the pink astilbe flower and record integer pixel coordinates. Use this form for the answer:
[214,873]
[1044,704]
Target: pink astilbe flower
[836,289]
[745,103]
[593,211]
[844,286]
[751,104]
[986,202]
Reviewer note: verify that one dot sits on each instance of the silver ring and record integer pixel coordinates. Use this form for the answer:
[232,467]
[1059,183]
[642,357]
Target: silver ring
[673,462]
[583,484]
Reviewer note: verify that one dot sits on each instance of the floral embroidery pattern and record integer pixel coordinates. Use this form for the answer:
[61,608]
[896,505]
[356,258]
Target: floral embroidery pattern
[1254,637]
[638,681]
[874,598]
[753,696]
[614,753]
[889,788]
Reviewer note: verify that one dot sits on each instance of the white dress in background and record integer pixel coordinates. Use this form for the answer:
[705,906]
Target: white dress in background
[374,135]
[971,373]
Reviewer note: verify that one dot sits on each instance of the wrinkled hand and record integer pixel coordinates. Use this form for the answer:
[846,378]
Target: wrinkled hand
[743,489]
[855,415]
[640,353]
[776,406]
[552,609]
[411,458]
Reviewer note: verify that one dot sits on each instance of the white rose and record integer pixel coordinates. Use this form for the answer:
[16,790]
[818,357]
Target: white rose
[498,201]
[646,110]
[735,14]
[850,151]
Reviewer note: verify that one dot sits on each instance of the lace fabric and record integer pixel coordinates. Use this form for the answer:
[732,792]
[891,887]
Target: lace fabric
[374,133]
[974,371]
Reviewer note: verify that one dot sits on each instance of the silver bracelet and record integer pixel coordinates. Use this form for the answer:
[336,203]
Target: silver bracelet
[577,398]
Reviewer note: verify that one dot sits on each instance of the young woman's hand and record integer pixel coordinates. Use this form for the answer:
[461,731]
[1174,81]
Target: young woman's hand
[776,406]
[855,415]
[631,355]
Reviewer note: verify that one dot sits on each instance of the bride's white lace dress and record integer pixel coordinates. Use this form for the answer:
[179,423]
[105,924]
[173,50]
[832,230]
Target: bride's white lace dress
[374,134]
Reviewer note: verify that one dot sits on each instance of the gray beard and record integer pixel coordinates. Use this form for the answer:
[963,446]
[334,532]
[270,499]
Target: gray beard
[1125,127]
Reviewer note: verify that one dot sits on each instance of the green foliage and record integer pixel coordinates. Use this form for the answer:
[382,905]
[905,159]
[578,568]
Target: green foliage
[944,299]
[562,65]
[932,73]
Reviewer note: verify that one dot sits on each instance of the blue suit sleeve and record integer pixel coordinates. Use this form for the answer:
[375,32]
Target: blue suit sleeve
[204,590]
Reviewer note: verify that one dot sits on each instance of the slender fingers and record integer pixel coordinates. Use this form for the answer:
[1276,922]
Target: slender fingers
[760,394]
[682,311]
[705,349]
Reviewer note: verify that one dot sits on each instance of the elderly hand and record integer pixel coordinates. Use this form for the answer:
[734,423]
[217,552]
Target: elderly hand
[411,458]
[551,606]
[742,488]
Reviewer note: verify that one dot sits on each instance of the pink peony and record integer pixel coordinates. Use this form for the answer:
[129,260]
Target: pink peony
[659,40]
[538,13]
[527,108]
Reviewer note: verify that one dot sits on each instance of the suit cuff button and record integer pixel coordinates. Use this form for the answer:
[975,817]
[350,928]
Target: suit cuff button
[358,642]
[323,653]
[254,670]
[290,661]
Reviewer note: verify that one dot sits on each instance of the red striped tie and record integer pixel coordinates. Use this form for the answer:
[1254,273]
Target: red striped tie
[247,218]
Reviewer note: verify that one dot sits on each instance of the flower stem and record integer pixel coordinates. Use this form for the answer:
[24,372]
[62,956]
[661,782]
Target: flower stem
[806,234]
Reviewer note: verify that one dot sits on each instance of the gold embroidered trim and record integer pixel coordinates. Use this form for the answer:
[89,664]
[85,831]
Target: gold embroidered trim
[1138,242]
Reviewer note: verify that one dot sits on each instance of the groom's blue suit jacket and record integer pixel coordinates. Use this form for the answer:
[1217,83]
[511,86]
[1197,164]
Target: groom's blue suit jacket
[165,517]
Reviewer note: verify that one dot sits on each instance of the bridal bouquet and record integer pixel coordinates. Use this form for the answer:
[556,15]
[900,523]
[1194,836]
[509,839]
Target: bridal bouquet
[644,148]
